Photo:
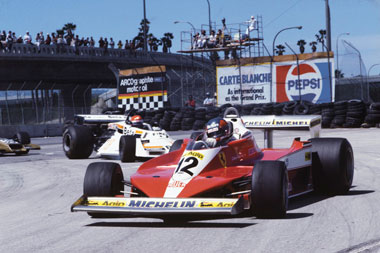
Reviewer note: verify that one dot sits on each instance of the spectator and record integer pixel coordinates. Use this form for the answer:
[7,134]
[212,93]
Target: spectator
[101,42]
[220,38]
[127,45]
[3,40]
[14,38]
[190,102]
[27,38]
[195,41]
[202,39]
[212,40]
[251,26]
[86,42]
[112,43]
[105,43]
[120,45]
[48,39]
[60,43]
[54,39]
[209,101]
[10,40]
[92,42]
[19,39]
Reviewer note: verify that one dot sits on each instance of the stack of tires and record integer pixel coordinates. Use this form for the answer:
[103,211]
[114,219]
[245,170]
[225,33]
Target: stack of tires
[175,124]
[158,115]
[278,108]
[315,109]
[267,109]
[288,108]
[247,109]
[188,118]
[373,115]
[327,114]
[212,112]
[200,118]
[356,112]
[148,116]
[302,108]
[167,119]
[256,110]
[340,111]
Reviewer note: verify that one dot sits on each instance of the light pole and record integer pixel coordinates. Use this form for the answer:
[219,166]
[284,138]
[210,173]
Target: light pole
[288,28]
[209,16]
[145,37]
[337,53]
[377,64]
[191,34]
[177,22]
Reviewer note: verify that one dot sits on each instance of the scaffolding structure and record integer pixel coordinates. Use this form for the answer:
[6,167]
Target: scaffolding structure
[239,40]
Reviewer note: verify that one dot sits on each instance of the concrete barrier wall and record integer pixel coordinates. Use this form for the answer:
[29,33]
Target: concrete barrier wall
[33,130]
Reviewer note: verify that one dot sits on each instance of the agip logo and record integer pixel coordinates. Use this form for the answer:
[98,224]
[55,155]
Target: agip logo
[308,82]
[303,83]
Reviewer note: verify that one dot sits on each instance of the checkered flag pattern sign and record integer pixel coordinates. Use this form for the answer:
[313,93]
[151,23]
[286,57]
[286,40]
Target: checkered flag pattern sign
[142,88]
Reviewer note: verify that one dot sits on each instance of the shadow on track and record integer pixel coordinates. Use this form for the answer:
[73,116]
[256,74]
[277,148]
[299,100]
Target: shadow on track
[312,198]
[163,224]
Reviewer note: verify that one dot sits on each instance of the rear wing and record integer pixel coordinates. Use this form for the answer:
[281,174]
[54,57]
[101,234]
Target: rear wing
[268,123]
[98,119]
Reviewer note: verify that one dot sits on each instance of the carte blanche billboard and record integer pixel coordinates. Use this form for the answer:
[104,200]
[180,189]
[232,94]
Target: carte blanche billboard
[310,81]
[254,86]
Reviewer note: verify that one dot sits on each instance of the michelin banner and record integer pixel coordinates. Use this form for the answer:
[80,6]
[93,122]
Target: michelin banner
[253,83]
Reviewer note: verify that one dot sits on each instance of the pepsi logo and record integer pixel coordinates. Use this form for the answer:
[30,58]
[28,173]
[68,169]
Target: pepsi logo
[303,83]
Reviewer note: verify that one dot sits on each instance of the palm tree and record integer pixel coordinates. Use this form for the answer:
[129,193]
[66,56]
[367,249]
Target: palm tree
[339,73]
[280,49]
[139,39]
[153,42]
[69,28]
[166,42]
[321,38]
[313,45]
[301,44]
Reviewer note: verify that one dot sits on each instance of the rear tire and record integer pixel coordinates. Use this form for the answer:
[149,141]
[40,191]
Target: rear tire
[269,190]
[127,148]
[103,180]
[333,165]
[23,137]
[78,142]
[176,145]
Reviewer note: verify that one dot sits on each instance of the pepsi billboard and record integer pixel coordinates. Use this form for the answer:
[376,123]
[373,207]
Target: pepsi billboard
[309,81]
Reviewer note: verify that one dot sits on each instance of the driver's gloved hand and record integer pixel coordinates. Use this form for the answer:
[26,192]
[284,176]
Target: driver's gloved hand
[211,142]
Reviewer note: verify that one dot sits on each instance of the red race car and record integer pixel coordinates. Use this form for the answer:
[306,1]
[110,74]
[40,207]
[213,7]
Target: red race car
[229,176]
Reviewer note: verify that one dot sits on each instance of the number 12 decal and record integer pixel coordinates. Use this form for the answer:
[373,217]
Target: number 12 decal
[188,163]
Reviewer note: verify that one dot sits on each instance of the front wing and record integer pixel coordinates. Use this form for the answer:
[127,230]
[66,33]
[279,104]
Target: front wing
[159,207]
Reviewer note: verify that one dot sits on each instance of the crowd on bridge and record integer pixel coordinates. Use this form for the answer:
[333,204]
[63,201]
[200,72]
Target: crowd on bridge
[8,39]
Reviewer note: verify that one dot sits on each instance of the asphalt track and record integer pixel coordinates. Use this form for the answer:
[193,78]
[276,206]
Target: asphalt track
[37,190]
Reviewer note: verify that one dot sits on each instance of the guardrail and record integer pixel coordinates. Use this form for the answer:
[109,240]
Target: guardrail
[81,52]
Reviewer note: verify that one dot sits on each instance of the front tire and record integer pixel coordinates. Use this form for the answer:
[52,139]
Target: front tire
[333,165]
[127,148]
[103,179]
[78,142]
[269,190]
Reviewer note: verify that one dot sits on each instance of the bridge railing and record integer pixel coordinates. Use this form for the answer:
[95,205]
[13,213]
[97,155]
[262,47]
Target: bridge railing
[65,51]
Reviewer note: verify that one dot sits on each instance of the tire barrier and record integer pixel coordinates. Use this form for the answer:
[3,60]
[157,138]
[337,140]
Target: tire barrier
[347,114]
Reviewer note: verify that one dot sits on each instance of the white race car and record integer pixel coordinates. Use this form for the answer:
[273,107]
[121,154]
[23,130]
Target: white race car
[114,136]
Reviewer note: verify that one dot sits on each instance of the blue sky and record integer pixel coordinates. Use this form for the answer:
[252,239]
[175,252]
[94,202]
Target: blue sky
[120,19]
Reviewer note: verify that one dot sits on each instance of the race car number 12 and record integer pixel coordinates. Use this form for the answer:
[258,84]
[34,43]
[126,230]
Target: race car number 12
[188,163]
